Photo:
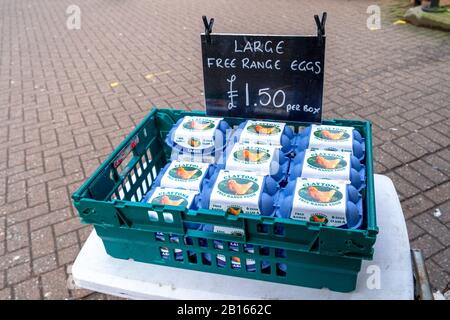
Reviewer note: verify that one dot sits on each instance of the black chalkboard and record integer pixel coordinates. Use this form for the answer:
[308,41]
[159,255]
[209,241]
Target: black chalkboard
[264,76]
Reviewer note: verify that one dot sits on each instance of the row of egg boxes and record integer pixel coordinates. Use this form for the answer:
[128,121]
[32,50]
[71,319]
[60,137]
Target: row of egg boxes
[192,137]
[201,185]
[271,148]
[239,156]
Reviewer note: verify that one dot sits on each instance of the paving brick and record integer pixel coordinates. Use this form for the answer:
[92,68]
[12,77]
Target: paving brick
[438,163]
[58,199]
[415,205]
[386,159]
[427,244]
[71,165]
[18,273]
[68,255]
[36,195]
[2,229]
[428,119]
[66,240]
[84,233]
[439,279]
[443,259]
[44,264]
[16,191]
[435,136]
[414,150]
[403,187]
[79,293]
[443,128]
[40,179]
[414,177]
[444,210]
[33,161]
[379,168]
[27,290]
[444,153]
[424,142]
[42,242]
[53,163]
[67,226]
[2,279]
[398,153]
[414,231]
[50,218]
[20,174]
[27,213]
[17,236]
[440,193]
[54,285]
[6,294]
[16,158]
[434,227]
[96,296]
[428,171]
[14,258]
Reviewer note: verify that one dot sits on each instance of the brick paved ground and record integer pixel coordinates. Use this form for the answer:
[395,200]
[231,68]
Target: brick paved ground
[60,117]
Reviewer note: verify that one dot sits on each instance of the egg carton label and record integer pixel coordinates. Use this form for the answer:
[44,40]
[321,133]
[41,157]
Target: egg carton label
[172,197]
[196,133]
[229,230]
[251,157]
[235,262]
[221,258]
[164,251]
[251,264]
[318,200]
[262,132]
[236,192]
[331,137]
[193,157]
[249,248]
[324,164]
[184,175]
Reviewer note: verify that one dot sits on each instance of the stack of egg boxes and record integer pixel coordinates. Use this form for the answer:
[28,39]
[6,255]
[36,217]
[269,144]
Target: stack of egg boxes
[263,168]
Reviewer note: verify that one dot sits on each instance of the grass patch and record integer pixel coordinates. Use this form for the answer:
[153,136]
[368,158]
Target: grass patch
[396,8]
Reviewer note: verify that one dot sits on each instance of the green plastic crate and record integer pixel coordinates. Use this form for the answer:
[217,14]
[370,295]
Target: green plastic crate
[313,255]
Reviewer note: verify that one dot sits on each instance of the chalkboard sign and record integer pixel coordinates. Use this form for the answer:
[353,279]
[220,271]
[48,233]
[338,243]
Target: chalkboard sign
[264,76]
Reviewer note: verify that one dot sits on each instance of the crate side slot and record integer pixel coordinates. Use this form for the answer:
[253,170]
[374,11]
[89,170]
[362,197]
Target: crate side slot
[92,186]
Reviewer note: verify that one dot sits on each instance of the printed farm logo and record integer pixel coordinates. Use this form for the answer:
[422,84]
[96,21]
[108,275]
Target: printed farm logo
[253,155]
[263,129]
[185,173]
[198,124]
[331,134]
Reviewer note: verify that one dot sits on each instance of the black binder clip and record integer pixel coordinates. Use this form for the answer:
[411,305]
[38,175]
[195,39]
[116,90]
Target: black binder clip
[320,26]
[208,28]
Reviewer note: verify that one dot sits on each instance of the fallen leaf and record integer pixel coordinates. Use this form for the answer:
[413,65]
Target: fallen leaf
[152,75]
[400,22]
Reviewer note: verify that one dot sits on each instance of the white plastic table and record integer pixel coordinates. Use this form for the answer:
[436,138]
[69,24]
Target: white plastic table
[387,276]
